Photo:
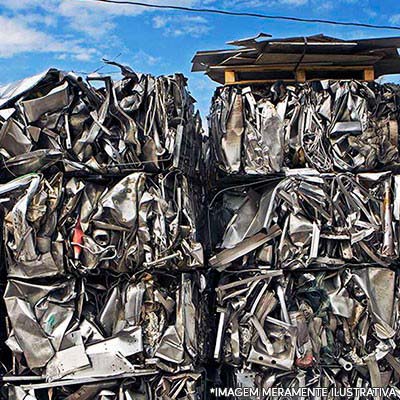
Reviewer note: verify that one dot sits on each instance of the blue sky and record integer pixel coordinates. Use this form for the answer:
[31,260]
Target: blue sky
[76,34]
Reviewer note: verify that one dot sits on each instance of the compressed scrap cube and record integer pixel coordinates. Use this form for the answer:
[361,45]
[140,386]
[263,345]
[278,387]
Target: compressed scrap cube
[310,219]
[326,125]
[60,224]
[323,329]
[76,329]
[137,123]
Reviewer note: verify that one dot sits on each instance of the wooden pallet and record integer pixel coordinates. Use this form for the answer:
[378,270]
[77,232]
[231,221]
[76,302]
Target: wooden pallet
[232,74]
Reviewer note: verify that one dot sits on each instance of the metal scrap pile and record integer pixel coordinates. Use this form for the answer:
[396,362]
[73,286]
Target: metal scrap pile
[79,328]
[327,125]
[305,256]
[104,238]
[326,329]
[105,293]
[137,123]
[60,225]
[310,220]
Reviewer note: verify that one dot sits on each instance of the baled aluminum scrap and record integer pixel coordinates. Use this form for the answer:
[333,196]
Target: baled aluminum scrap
[327,125]
[310,219]
[78,329]
[59,224]
[184,386]
[250,329]
[137,123]
[327,329]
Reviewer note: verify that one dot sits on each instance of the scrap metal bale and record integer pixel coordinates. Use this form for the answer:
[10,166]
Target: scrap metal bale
[58,224]
[331,327]
[329,125]
[309,218]
[137,123]
[76,329]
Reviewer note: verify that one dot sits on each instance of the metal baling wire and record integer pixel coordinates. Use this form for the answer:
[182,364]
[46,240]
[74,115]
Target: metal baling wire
[323,162]
[182,116]
[18,105]
[108,248]
[160,103]
[6,167]
[162,189]
[315,159]
[247,14]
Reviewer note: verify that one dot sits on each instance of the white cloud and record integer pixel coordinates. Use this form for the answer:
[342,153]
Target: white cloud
[160,22]
[96,19]
[16,37]
[20,4]
[142,59]
[194,26]
[83,56]
[91,21]
[38,19]
[62,56]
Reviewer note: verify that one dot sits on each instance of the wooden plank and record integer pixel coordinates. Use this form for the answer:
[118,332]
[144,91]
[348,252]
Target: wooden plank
[230,77]
[258,81]
[286,67]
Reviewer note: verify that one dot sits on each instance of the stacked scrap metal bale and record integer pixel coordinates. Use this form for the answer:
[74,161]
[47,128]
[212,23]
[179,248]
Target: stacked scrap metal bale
[305,223]
[329,125]
[303,156]
[102,209]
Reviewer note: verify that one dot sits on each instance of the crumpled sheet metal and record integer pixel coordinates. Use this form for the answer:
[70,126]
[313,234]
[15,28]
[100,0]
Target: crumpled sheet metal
[183,386]
[334,328]
[76,329]
[310,220]
[58,224]
[140,122]
[328,125]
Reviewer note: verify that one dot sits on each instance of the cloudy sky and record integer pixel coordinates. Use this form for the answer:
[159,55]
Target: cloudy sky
[76,34]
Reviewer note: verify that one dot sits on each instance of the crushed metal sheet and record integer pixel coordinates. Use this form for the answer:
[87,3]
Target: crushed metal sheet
[328,125]
[71,224]
[76,329]
[140,122]
[309,219]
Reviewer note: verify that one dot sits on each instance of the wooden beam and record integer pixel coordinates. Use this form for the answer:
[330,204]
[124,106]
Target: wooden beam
[259,81]
[300,75]
[286,67]
[369,74]
[230,77]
